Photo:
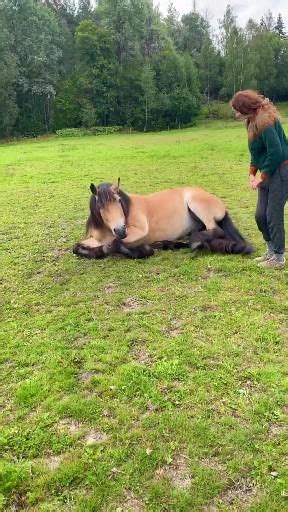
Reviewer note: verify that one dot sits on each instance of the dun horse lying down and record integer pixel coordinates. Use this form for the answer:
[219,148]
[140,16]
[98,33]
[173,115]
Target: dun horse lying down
[135,225]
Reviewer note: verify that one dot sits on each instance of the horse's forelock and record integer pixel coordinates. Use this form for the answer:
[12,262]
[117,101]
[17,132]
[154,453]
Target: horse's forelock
[105,194]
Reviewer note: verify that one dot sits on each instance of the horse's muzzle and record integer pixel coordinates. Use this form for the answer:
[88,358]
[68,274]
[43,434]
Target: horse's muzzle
[121,232]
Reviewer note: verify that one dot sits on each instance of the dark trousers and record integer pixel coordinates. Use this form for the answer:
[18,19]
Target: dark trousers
[269,216]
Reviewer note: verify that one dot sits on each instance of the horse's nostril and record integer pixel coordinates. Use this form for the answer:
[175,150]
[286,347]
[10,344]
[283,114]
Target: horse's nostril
[121,232]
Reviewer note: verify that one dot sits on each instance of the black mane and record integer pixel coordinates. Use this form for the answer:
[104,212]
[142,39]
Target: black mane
[105,195]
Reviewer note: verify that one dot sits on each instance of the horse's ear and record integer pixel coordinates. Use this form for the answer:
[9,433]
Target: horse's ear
[93,189]
[115,188]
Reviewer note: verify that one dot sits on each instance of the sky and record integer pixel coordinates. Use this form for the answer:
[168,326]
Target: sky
[244,9]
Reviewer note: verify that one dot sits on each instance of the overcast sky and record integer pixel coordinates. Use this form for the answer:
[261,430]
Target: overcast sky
[244,9]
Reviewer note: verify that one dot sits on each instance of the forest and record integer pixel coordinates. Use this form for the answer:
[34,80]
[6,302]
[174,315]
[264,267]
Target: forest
[122,63]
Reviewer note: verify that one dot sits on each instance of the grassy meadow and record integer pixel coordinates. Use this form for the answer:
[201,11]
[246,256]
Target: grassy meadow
[157,385]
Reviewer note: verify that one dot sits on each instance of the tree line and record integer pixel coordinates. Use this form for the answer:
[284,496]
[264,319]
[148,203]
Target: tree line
[122,63]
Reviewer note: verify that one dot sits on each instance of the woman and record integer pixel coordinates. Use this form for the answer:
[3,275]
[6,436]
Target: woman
[268,146]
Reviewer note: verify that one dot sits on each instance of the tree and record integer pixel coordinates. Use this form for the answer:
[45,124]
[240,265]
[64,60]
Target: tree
[280,27]
[267,22]
[8,76]
[233,43]
[210,63]
[262,53]
[195,31]
[37,46]
[251,29]
[174,27]
[96,69]
[149,90]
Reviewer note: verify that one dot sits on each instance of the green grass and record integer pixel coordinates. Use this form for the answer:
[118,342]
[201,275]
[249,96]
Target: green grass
[176,365]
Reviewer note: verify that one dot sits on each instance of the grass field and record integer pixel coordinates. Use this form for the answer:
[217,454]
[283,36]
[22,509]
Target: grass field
[155,385]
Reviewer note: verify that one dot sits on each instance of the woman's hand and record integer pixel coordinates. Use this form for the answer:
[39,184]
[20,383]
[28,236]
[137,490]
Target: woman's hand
[255,182]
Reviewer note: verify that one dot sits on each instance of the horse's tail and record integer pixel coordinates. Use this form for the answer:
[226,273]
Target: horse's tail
[225,239]
[224,246]
[233,242]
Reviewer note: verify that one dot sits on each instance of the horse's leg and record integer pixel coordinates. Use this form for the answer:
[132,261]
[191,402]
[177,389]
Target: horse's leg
[98,244]
[141,252]
[167,245]
[137,231]
[206,227]
[89,249]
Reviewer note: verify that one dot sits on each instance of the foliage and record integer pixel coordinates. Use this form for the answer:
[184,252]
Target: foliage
[67,64]
[94,130]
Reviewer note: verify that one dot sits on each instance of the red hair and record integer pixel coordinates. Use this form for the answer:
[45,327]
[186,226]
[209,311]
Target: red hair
[261,111]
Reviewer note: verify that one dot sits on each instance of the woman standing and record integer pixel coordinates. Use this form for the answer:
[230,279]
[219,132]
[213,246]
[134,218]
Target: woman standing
[268,146]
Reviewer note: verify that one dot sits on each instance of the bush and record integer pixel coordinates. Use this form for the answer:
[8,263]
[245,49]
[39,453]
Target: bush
[94,130]
[216,110]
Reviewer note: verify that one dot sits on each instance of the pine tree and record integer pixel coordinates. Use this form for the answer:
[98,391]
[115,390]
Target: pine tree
[174,26]
[84,9]
[267,22]
[280,27]
[149,90]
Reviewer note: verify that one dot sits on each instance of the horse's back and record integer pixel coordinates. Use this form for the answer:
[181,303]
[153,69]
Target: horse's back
[181,196]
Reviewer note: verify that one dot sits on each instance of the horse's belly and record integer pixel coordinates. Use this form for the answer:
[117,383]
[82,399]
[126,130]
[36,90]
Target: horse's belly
[172,228]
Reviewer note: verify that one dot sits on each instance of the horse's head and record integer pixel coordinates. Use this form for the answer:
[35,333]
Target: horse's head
[113,205]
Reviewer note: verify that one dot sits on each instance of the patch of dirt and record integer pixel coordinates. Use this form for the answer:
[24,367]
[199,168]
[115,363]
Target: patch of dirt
[110,287]
[107,414]
[150,409]
[177,472]
[86,376]
[80,342]
[95,437]
[155,271]
[249,385]
[210,508]
[70,426]
[212,272]
[173,330]
[132,503]
[60,279]
[131,304]
[284,332]
[18,501]
[213,463]
[209,308]
[52,462]
[58,253]
[276,429]
[243,491]
[140,354]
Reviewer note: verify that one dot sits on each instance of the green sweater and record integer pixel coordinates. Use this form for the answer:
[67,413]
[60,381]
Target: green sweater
[269,149]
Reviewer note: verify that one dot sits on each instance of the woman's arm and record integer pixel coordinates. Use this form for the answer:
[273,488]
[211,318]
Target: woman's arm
[274,151]
[252,170]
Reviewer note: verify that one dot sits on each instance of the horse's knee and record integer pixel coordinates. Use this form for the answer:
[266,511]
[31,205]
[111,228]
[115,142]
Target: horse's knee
[145,251]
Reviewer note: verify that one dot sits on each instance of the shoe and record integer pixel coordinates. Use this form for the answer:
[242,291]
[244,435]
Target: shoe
[273,263]
[265,257]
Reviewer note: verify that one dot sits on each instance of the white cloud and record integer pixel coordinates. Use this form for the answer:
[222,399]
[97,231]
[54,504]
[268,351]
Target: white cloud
[244,9]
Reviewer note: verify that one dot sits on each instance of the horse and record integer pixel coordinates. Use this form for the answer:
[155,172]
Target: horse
[135,225]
